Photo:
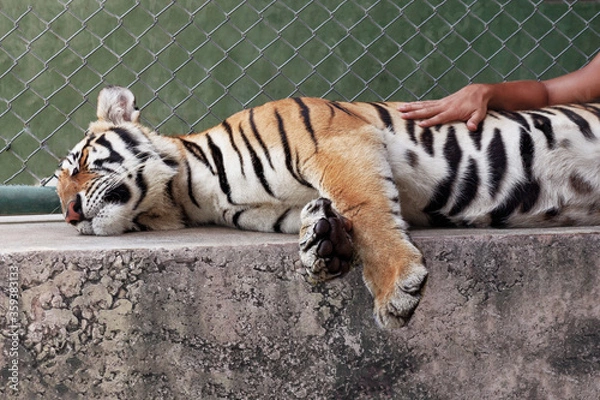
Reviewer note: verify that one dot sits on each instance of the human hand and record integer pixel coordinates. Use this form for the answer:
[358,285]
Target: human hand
[469,104]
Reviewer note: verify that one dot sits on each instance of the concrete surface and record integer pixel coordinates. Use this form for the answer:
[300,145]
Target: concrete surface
[219,314]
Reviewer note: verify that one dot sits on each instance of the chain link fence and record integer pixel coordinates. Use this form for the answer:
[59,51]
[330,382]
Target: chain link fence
[193,63]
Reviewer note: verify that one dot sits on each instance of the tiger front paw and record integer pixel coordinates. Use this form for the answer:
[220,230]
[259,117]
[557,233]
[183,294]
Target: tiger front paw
[395,309]
[326,248]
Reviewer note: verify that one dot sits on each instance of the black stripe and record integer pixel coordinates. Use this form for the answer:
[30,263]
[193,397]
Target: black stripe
[333,105]
[413,158]
[139,226]
[496,153]
[169,190]
[579,184]
[467,189]
[286,150]
[143,156]
[532,194]
[427,141]
[140,182]
[189,185]
[384,116]
[84,154]
[113,156]
[527,153]
[410,129]
[545,111]
[500,214]
[170,162]
[524,194]
[452,150]
[228,129]
[476,136]
[217,157]
[126,136]
[257,164]
[582,124]
[198,153]
[543,123]
[259,138]
[76,158]
[297,160]
[591,108]
[453,155]
[341,108]
[396,210]
[236,218]
[95,186]
[438,220]
[119,194]
[305,115]
[517,117]
[280,220]
[331,110]
[532,187]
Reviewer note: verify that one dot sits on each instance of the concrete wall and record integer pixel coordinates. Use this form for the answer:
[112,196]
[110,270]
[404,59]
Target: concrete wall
[214,314]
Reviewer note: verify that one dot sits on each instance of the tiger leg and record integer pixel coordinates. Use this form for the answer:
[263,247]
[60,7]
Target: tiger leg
[363,191]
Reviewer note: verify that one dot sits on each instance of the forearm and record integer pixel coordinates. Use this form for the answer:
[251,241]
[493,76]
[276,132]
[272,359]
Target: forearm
[518,95]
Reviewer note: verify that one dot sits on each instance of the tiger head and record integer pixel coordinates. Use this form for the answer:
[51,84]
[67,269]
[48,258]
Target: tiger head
[117,179]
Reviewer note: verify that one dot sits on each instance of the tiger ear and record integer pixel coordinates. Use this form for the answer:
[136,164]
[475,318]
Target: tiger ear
[117,105]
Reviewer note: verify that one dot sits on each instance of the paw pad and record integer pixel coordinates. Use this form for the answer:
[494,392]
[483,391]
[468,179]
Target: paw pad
[326,248]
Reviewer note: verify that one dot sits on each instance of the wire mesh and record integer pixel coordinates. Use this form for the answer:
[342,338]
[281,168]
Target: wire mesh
[193,63]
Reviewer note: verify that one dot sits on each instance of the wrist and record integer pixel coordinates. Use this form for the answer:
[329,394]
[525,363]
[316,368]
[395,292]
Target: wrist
[487,94]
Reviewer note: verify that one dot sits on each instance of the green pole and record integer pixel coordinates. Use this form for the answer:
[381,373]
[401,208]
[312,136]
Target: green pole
[21,199]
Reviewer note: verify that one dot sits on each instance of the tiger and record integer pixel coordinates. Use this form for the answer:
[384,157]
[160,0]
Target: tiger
[349,178]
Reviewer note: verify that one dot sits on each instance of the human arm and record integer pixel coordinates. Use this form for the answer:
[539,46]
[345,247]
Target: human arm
[471,103]
[579,86]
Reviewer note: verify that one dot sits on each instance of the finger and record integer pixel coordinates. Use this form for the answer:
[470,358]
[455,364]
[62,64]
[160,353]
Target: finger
[472,125]
[406,107]
[421,113]
[416,105]
[437,119]
[475,120]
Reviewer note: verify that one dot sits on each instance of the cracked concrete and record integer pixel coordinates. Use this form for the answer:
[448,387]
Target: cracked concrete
[214,313]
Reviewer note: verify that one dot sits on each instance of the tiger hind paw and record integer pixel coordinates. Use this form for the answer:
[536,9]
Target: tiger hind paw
[326,248]
[395,310]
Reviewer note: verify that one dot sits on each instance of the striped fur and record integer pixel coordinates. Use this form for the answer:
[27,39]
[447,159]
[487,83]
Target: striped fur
[260,167]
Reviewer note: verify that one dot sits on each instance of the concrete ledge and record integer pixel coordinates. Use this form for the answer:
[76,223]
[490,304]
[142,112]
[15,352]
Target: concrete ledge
[214,313]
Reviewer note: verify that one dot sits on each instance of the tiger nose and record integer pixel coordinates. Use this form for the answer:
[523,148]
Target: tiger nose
[74,213]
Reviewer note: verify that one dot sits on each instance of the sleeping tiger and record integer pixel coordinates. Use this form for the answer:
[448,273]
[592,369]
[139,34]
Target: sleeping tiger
[349,177]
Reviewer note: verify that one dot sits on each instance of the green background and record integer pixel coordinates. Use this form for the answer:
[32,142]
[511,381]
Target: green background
[192,63]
